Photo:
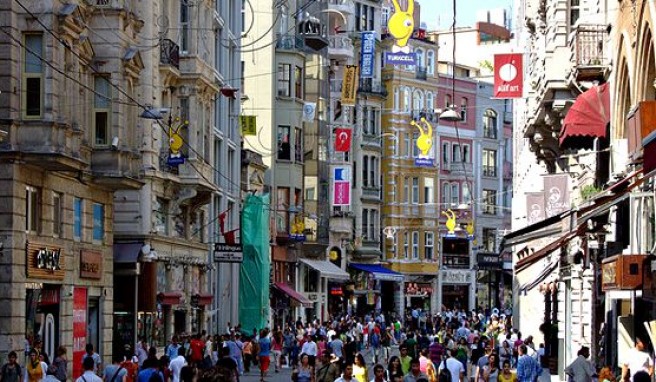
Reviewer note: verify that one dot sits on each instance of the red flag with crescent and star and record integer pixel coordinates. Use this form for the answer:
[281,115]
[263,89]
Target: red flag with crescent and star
[342,140]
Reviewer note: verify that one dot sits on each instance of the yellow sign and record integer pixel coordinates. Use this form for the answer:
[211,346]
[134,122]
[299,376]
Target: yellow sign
[175,139]
[248,124]
[450,221]
[297,226]
[401,25]
[425,140]
[349,85]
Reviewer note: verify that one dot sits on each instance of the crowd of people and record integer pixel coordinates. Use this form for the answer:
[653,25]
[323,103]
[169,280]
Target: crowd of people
[453,346]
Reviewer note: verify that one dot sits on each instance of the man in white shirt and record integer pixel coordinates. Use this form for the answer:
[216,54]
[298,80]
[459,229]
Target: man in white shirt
[581,369]
[177,364]
[310,348]
[454,366]
[637,359]
[88,376]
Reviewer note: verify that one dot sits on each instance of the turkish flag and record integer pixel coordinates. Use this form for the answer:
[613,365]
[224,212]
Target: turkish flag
[342,140]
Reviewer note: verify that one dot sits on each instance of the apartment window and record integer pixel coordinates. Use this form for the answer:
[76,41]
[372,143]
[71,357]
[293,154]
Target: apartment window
[33,76]
[490,124]
[489,239]
[365,171]
[184,26]
[298,145]
[284,80]
[77,219]
[455,155]
[57,214]
[408,144]
[298,82]
[397,100]
[448,101]
[465,154]
[415,148]
[415,245]
[406,237]
[371,26]
[102,110]
[406,99]
[429,186]
[489,202]
[365,224]
[417,102]
[373,169]
[384,16]
[282,210]
[446,193]
[32,207]
[415,190]
[463,109]
[574,12]
[455,194]
[284,149]
[446,150]
[489,163]
[98,222]
[419,56]
[430,62]
[429,244]
[466,193]
[430,102]
[406,190]
[161,208]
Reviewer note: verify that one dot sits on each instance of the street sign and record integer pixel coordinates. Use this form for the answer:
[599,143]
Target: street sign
[228,253]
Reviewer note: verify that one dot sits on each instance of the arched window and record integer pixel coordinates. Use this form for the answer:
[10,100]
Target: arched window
[406,99]
[430,102]
[446,193]
[490,124]
[419,55]
[430,62]
[463,109]
[417,101]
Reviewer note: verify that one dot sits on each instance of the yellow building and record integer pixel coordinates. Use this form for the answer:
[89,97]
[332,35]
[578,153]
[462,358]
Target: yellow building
[410,176]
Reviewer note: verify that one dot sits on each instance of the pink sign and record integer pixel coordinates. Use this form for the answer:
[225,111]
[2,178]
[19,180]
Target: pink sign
[79,328]
[341,186]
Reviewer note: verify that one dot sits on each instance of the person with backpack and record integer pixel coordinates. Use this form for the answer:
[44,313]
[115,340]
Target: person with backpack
[114,372]
[11,371]
[451,370]
[89,375]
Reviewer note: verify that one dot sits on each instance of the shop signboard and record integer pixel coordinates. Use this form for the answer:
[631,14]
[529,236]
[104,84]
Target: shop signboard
[228,253]
[79,328]
[488,261]
[508,75]
[456,276]
[90,264]
[44,262]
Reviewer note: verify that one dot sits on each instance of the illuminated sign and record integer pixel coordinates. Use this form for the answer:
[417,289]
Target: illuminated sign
[401,26]
[424,143]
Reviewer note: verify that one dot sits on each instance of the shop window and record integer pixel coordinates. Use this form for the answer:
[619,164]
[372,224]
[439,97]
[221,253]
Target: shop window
[32,209]
[77,219]
[98,222]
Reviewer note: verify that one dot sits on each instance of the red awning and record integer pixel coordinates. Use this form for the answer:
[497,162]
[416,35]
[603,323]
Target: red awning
[289,291]
[587,119]
[169,298]
[204,299]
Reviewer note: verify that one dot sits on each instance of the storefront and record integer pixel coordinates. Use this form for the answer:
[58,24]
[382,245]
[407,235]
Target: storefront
[458,288]
[370,283]
[418,295]
[314,278]
[284,302]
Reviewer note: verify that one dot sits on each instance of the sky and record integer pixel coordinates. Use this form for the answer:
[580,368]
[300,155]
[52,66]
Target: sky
[432,10]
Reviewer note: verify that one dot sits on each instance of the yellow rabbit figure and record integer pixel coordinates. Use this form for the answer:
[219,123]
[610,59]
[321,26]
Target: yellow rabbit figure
[425,140]
[450,221]
[175,139]
[401,25]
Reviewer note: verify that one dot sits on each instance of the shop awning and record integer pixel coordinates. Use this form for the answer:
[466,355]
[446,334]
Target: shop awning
[289,291]
[540,277]
[587,119]
[378,271]
[169,298]
[127,252]
[327,269]
[204,298]
[527,261]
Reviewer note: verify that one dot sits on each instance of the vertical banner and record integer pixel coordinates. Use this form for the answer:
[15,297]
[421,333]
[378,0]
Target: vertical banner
[309,111]
[248,125]
[508,75]
[534,207]
[79,328]
[349,85]
[556,194]
[367,54]
[341,194]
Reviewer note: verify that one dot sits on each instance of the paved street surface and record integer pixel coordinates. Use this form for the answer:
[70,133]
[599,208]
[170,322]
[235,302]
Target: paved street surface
[285,375]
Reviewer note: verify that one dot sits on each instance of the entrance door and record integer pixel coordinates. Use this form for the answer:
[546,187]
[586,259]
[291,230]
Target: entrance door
[93,333]
[179,321]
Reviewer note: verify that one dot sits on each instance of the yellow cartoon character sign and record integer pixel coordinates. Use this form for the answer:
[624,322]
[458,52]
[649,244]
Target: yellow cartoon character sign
[424,142]
[451,222]
[176,142]
[401,25]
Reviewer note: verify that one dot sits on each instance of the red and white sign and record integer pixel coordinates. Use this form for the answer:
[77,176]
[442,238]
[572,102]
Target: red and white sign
[341,186]
[79,328]
[342,140]
[508,75]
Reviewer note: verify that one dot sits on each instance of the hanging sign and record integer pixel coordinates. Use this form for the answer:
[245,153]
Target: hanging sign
[309,110]
[341,195]
[556,194]
[248,125]
[508,75]
[424,143]
[79,328]
[534,207]
[342,140]
[401,25]
[176,142]
[349,85]
[367,54]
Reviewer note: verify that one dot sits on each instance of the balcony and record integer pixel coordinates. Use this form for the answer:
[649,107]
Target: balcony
[373,87]
[340,47]
[289,42]
[421,73]
[116,169]
[371,193]
[490,171]
[429,211]
[423,113]
[169,53]
[459,168]
[341,224]
[590,55]
[342,6]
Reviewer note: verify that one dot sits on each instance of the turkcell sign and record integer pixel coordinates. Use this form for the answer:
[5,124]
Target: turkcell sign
[424,162]
[400,58]
[367,54]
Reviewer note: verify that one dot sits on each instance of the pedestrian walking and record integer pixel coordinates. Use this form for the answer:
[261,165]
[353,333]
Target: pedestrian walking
[35,370]
[581,370]
[528,369]
[264,355]
[11,371]
[114,372]
[177,364]
[329,371]
[59,365]
[88,365]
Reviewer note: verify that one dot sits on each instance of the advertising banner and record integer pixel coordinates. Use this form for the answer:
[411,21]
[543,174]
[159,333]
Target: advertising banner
[350,85]
[309,110]
[534,207]
[79,328]
[367,54]
[248,125]
[508,75]
[341,195]
[556,194]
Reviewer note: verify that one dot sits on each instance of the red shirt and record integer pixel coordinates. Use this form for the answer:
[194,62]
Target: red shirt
[197,346]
